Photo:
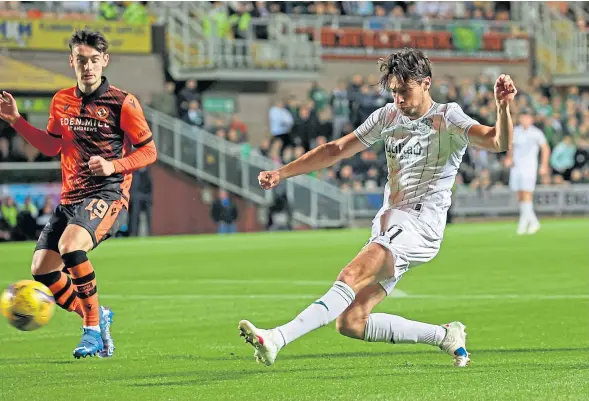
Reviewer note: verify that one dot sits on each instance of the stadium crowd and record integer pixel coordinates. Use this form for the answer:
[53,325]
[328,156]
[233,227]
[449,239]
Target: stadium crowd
[395,9]
[19,222]
[298,125]
[130,12]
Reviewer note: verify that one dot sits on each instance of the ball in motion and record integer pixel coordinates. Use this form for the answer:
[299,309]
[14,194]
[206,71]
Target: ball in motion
[27,305]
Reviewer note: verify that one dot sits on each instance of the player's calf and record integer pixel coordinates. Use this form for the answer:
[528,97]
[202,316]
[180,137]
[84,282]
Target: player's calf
[46,269]
[352,323]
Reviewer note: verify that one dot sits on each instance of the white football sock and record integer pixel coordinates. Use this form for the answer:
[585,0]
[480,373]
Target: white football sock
[387,328]
[529,207]
[95,328]
[319,313]
[524,219]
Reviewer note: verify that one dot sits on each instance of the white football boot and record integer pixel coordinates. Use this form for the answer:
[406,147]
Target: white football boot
[264,341]
[533,228]
[454,343]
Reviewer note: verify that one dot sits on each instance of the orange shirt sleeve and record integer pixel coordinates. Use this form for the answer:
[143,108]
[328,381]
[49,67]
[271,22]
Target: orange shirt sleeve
[53,127]
[135,126]
[133,122]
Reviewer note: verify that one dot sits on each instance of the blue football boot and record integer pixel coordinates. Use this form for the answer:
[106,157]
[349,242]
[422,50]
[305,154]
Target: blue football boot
[90,344]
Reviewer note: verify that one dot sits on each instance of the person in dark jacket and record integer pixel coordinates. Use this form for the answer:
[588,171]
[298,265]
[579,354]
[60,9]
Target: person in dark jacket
[141,200]
[224,213]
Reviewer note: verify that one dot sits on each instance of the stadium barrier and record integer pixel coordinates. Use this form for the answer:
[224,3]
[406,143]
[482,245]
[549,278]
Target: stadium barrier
[197,52]
[551,200]
[235,167]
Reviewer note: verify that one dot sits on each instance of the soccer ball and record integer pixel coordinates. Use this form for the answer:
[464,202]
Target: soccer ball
[27,305]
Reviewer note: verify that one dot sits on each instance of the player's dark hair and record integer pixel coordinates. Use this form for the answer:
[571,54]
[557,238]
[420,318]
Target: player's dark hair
[85,36]
[406,65]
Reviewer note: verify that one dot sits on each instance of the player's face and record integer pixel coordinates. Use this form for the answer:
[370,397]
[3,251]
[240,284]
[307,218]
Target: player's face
[526,120]
[410,97]
[88,64]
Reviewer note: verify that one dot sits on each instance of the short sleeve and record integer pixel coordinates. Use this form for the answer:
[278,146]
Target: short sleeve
[540,138]
[133,122]
[457,122]
[53,127]
[370,131]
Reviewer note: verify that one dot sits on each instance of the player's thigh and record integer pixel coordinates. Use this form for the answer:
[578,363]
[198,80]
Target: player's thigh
[95,221]
[46,261]
[367,267]
[46,258]
[409,241]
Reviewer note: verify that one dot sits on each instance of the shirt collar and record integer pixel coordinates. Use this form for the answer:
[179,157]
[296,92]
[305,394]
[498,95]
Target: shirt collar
[101,90]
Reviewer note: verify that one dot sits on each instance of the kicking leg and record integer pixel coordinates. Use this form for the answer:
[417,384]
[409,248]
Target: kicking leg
[358,322]
[47,269]
[365,269]
[73,245]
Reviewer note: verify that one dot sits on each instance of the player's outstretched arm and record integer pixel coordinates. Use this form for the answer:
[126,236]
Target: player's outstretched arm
[321,157]
[545,159]
[43,140]
[500,137]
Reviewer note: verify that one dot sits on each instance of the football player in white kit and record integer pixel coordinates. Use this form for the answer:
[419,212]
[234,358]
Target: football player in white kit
[523,160]
[424,143]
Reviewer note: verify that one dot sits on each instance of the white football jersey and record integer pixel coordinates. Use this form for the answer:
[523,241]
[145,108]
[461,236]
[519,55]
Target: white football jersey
[526,146]
[423,156]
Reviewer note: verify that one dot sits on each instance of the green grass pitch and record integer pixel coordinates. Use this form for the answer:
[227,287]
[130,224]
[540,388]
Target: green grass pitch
[525,301]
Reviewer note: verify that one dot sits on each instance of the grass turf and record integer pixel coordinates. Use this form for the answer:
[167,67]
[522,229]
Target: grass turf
[178,300]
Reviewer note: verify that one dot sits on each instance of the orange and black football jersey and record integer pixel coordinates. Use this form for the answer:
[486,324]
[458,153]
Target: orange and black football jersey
[106,123]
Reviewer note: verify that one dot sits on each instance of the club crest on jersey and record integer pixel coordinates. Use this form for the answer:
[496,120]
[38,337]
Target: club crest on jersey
[102,113]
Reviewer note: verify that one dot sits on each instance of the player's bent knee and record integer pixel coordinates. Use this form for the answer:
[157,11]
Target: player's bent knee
[45,261]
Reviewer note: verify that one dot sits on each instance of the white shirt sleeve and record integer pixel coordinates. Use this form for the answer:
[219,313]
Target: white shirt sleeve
[370,131]
[457,122]
[540,136]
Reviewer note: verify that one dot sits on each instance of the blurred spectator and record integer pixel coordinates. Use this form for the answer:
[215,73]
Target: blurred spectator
[194,115]
[9,212]
[563,157]
[319,96]
[224,213]
[29,207]
[305,128]
[45,215]
[340,104]
[166,101]
[135,13]
[109,11]
[281,122]
[188,94]
[141,201]
[279,213]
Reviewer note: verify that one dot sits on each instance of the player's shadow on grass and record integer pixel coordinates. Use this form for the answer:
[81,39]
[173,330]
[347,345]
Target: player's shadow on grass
[473,351]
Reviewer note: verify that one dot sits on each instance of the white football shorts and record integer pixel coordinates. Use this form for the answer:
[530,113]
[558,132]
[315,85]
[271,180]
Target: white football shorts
[522,180]
[410,240]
